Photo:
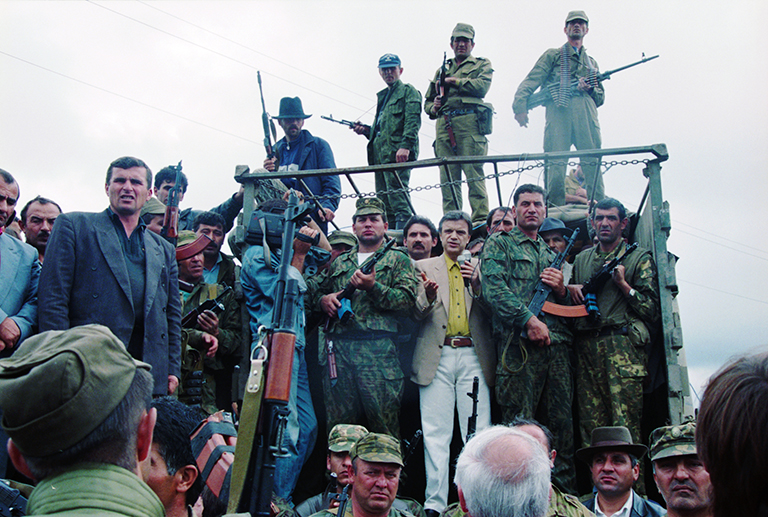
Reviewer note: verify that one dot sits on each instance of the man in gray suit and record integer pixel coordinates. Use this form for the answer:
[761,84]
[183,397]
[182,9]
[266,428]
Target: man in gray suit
[453,347]
[105,268]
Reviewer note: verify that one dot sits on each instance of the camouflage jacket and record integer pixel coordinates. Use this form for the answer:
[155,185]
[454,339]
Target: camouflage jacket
[615,309]
[397,123]
[474,74]
[547,71]
[375,310]
[230,342]
[566,505]
[510,268]
[393,512]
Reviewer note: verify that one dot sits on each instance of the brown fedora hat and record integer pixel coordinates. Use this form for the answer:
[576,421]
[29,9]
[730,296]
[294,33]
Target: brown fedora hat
[611,438]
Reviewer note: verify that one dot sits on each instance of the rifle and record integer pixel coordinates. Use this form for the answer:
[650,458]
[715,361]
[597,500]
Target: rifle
[342,498]
[544,95]
[443,92]
[598,280]
[170,229]
[345,311]
[266,122]
[411,445]
[343,122]
[189,321]
[12,503]
[472,420]
[258,480]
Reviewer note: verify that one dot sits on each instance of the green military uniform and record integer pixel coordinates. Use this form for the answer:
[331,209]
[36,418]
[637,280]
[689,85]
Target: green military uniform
[93,489]
[560,505]
[531,381]
[370,380]
[396,126]
[573,124]
[611,355]
[217,388]
[466,110]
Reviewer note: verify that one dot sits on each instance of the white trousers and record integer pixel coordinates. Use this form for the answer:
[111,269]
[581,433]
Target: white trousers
[449,388]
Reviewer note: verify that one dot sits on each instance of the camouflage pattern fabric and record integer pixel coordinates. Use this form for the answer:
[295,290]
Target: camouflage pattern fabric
[474,75]
[398,119]
[560,505]
[344,436]
[218,369]
[673,440]
[393,512]
[539,385]
[611,357]
[377,448]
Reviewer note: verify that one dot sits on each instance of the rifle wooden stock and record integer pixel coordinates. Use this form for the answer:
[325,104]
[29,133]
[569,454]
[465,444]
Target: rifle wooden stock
[278,386]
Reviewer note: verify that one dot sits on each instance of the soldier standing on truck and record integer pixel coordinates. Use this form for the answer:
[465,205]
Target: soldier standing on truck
[572,115]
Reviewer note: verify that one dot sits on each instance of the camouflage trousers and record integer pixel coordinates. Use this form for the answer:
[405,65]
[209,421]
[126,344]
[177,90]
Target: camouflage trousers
[540,386]
[369,385]
[609,384]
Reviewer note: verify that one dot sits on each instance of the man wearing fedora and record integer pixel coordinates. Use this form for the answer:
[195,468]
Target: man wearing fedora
[571,115]
[394,137]
[680,475]
[298,150]
[614,462]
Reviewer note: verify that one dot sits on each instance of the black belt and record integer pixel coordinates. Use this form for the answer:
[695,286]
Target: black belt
[605,331]
[458,342]
[456,113]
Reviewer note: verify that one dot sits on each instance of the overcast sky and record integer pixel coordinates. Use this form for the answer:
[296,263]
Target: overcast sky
[86,82]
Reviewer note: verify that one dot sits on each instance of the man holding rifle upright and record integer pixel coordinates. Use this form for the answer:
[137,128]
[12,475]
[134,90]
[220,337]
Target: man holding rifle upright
[571,115]
[394,137]
[367,383]
[611,346]
[533,374]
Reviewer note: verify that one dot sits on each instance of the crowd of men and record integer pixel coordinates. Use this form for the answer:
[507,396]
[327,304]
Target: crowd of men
[101,306]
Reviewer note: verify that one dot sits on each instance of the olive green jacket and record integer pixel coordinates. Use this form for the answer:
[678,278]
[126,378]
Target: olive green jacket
[397,123]
[474,75]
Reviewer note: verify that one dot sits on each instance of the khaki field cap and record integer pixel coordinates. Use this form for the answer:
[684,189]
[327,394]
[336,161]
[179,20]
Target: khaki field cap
[377,448]
[153,206]
[342,237]
[60,385]
[189,244]
[673,440]
[611,439]
[463,30]
[344,436]
[576,15]
[368,206]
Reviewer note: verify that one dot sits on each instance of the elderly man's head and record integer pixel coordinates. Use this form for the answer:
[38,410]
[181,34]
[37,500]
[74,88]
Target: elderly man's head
[503,472]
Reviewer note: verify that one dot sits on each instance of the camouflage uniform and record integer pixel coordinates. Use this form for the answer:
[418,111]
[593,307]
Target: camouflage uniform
[217,370]
[370,380]
[531,381]
[560,505]
[611,356]
[474,75]
[397,123]
[575,123]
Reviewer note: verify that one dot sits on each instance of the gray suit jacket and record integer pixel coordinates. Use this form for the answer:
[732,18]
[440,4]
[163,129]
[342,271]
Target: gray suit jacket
[435,321]
[19,275]
[85,280]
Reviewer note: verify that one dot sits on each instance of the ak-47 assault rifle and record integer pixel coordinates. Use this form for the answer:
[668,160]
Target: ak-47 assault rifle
[12,503]
[545,95]
[472,420]
[170,230]
[343,122]
[265,405]
[215,305]
[345,311]
[598,280]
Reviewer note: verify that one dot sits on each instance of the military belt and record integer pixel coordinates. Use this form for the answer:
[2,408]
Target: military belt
[458,342]
[456,113]
[605,331]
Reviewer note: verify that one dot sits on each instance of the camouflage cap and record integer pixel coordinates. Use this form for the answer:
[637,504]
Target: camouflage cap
[673,440]
[344,436]
[463,30]
[576,15]
[60,385]
[153,206]
[341,237]
[368,206]
[189,244]
[377,448]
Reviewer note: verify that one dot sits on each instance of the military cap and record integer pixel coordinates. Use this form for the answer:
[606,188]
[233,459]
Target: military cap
[616,438]
[153,206]
[463,30]
[576,15]
[368,206]
[341,237]
[344,436]
[389,61]
[61,385]
[673,440]
[290,107]
[377,448]
[552,224]
[189,244]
